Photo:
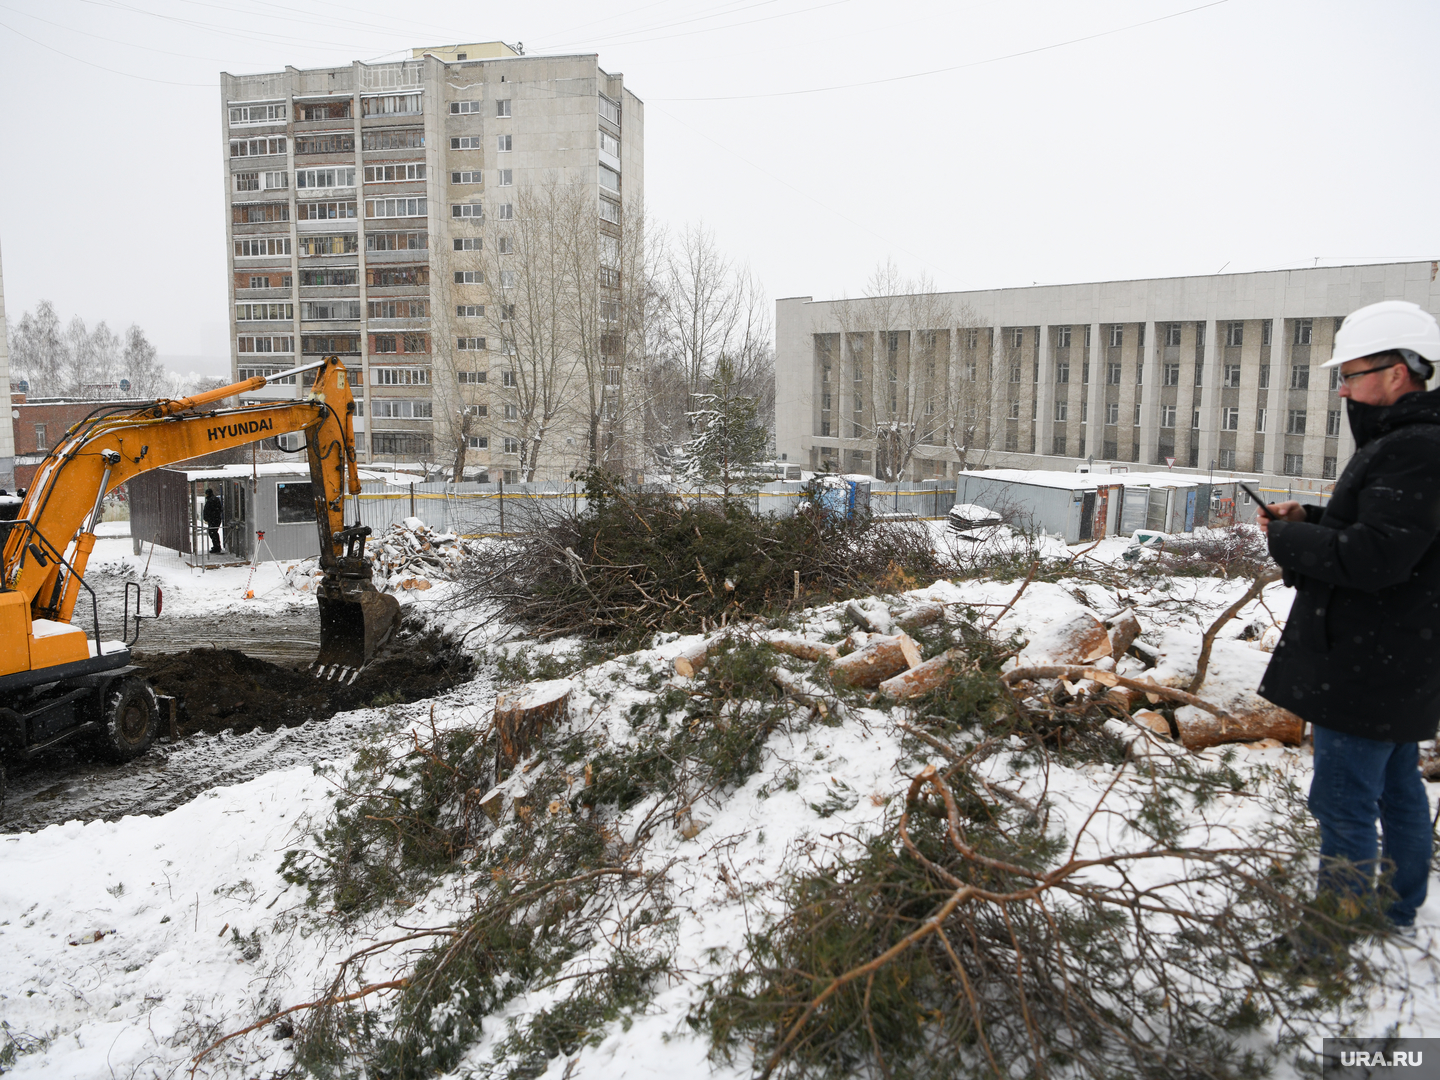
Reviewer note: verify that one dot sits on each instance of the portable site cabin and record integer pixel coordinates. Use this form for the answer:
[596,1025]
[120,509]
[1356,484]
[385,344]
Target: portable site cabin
[1078,507]
[166,509]
[1178,503]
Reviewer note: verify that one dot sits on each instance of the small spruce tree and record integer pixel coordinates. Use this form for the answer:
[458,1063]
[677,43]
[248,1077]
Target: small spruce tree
[730,435]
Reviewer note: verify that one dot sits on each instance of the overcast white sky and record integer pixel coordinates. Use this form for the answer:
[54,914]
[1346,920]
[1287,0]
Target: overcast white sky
[985,144]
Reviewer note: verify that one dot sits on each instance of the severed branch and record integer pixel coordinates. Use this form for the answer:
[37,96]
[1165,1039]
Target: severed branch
[1256,588]
[1074,672]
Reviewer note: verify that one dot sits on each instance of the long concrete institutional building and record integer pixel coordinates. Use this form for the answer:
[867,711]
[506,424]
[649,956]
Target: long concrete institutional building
[1220,371]
[357,202]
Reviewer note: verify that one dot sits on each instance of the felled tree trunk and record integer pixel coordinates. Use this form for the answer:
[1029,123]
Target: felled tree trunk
[1124,629]
[1198,732]
[876,662]
[521,715]
[916,617]
[693,658]
[804,648]
[922,679]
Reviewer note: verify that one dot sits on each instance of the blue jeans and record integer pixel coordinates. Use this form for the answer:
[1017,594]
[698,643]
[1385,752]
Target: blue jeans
[1357,782]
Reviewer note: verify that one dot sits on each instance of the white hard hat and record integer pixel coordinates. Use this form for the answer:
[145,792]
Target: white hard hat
[1390,324]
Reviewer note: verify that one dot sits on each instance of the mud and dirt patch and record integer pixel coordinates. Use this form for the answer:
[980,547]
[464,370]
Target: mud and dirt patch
[223,689]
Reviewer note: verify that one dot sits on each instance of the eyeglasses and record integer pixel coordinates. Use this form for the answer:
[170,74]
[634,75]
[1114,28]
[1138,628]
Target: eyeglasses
[1347,379]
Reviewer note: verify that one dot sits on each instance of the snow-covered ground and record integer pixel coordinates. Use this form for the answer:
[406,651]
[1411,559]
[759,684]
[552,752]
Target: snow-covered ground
[128,947]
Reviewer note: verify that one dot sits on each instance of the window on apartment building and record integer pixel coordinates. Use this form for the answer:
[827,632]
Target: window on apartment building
[1112,374]
[610,110]
[467,176]
[507,378]
[1085,372]
[972,338]
[339,177]
[267,343]
[504,245]
[1112,414]
[610,211]
[470,344]
[40,443]
[1014,410]
[397,275]
[1136,422]
[507,313]
[469,243]
[1264,376]
[1232,375]
[472,211]
[1225,459]
[269,281]
[1304,331]
[325,344]
[400,443]
[609,179]
[396,241]
[334,244]
[393,174]
[609,144]
[1332,422]
[1260,420]
[507,279]
[1334,378]
[256,213]
[1299,376]
[511,412]
[1167,416]
[1294,464]
[502,107]
[270,113]
[325,211]
[329,310]
[1062,337]
[268,146]
[477,442]
[1265,325]
[262,312]
[397,309]
[1327,470]
[1195,419]
[504,177]
[395,139]
[469,311]
[1295,422]
[1172,333]
[401,409]
[325,142]
[461,108]
[1117,336]
[512,446]
[1017,337]
[465,142]
[1062,411]
[1199,373]
[1084,411]
[262,181]
[1234,334]
[1015,372]
[1229,419]
[326,110]
[398,376]
[1172,375]
[503,143]
[395,208]
[391,105]
[1062,371]
[1139,372]
[474,378]
[259,247]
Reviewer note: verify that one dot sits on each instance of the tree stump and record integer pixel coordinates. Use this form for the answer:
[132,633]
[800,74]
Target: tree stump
[1272,722]
[921,679]
[876,662]
[521,715]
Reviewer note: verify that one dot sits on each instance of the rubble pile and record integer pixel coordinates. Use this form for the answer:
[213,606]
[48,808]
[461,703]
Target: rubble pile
[408,556]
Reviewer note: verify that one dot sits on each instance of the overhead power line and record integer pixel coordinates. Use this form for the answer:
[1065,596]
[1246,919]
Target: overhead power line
[953,67]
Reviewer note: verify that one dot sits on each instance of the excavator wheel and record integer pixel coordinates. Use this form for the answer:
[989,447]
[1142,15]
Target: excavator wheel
[129,719]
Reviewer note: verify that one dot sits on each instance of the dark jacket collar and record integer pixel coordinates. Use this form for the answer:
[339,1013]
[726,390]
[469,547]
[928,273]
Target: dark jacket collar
[1369,422]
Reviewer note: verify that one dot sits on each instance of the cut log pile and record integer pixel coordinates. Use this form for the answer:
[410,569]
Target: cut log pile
[410,555]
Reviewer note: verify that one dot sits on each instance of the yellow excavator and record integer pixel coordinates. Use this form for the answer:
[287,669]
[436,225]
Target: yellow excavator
[57,682]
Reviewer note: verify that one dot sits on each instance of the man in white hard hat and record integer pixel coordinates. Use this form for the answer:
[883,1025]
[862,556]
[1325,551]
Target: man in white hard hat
[1358,655]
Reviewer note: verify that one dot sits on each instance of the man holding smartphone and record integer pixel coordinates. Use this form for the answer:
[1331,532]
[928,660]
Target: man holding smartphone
[1358,657]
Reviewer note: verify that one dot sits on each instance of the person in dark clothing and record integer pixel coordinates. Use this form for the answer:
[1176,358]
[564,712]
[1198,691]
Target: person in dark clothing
[1357,657]
[213,515]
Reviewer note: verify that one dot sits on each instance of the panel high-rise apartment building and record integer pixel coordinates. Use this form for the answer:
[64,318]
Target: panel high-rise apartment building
[365,216]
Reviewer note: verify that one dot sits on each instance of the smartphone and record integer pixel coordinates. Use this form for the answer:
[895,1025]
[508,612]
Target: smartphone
[1254,496]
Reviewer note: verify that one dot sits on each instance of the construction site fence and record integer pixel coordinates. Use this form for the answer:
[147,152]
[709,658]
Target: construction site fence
[472,509]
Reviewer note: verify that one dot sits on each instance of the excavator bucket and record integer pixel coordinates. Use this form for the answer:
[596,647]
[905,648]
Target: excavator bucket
[355,621]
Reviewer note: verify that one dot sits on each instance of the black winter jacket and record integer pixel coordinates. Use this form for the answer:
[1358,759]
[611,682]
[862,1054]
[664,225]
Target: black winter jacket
[1359,652]
[213,511]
